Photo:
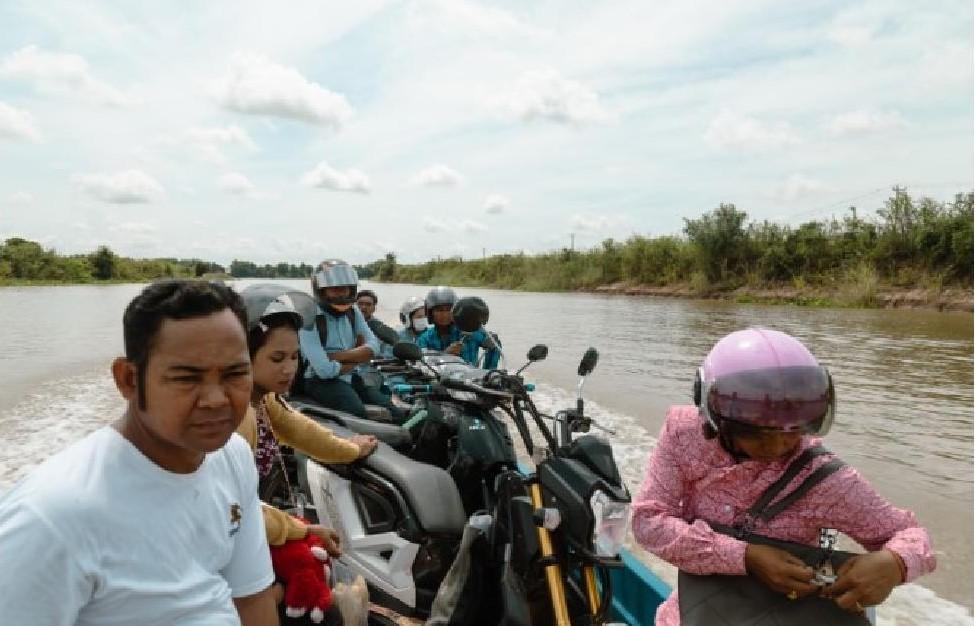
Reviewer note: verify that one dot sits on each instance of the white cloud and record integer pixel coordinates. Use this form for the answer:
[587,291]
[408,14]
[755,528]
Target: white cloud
[237,184]
[453,17]
[496,204]
[850,35]
[546,95]
[432,225]
[798,186]
[470,226]
[134,228]
[17,124]
[125,187]
[209,142]
[865,121]
[731,131]
[20,197]
[437,176]
[59,72]
[257,86]
[589,223]
[327,177]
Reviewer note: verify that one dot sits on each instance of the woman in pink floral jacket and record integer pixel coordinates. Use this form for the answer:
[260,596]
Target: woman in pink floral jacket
[762,399]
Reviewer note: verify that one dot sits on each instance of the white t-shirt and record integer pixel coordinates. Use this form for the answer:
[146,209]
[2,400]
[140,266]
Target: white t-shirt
[99,534]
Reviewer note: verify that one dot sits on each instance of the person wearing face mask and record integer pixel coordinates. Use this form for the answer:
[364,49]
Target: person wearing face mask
[413,315]
[338,343]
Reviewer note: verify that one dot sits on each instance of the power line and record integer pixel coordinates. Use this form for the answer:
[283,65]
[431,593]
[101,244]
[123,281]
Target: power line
[847,201]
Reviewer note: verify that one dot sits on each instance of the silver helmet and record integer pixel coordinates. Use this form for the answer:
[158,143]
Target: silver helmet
[439,296]
[335,273]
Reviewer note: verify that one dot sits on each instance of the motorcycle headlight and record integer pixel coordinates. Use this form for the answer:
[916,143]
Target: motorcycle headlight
[461,395]
[611,521]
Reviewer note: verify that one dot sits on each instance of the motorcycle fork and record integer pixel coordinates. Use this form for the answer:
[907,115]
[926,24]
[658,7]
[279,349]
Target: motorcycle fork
[592,592]
[553,573]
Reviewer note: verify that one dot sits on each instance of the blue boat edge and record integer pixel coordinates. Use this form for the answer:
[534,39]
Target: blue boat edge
[637,592]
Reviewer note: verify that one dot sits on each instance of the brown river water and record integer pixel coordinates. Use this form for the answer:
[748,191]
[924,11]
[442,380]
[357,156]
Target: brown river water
[903,378]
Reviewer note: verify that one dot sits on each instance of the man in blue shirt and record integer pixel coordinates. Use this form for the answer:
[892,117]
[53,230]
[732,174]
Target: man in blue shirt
[443,334]
[339,343]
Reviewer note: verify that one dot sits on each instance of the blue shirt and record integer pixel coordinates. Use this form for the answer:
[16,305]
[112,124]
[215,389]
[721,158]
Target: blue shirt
[432,340]
[341,336]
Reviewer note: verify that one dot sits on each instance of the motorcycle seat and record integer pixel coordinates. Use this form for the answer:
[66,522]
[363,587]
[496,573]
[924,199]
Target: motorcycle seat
[392,434]
[429,490]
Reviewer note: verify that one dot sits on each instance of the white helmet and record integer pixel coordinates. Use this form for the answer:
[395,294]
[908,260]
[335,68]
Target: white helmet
[412,305]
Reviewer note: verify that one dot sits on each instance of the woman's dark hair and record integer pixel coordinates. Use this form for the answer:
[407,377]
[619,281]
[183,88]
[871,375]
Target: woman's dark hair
[171,299]
[369,293]
[257,336]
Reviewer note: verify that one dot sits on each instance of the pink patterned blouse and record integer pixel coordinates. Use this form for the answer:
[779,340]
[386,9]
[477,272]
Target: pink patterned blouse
[690,479]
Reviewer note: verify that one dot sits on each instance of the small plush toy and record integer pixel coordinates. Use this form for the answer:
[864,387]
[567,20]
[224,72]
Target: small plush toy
[303,566]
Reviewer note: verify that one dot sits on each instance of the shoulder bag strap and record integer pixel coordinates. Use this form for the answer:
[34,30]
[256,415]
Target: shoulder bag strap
[790,473]
[811,481]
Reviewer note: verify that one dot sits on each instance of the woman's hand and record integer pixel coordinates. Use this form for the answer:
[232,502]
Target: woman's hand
[865,580]
[779,570]
[366,443]
[454,348]
[329,538]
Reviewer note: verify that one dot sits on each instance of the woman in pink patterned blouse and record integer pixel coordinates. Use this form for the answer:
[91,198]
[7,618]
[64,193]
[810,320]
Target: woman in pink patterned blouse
[762,400]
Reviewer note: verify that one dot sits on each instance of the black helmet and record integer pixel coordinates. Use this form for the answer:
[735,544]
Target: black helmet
[266,299]
[335,273]
[439,296]
[470,314]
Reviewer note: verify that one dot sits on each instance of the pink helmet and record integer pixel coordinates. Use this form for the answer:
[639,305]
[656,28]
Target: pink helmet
[764,379]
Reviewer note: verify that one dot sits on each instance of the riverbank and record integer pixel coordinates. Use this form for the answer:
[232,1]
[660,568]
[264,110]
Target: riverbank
[948,299]
[26,282]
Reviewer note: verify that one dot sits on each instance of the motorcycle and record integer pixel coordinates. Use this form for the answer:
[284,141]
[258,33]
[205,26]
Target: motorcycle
[553,534]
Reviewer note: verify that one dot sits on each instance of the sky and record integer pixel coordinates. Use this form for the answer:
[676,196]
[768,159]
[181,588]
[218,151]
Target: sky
[307,130]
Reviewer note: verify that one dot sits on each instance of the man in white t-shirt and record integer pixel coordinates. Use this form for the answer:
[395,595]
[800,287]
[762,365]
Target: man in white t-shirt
[155,518]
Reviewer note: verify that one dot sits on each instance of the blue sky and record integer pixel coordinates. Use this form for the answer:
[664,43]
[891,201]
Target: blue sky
[307,130]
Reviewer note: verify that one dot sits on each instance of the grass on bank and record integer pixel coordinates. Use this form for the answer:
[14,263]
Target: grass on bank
[910,244]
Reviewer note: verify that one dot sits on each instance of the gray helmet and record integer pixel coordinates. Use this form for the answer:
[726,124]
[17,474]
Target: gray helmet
[412,304]
[335,273]
[439,296]
[266,299]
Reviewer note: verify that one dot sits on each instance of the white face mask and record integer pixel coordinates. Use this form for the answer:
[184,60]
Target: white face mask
[420,324]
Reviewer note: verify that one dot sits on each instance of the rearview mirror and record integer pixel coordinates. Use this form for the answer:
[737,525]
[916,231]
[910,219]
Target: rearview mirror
[588,362]
[538,353]
[383,332]
[407,351]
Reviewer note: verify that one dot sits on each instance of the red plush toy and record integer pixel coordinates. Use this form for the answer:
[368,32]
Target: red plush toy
[303,566]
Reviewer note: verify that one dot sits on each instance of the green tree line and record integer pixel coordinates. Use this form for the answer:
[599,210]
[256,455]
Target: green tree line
[22,260]
[909,242]
[247,269]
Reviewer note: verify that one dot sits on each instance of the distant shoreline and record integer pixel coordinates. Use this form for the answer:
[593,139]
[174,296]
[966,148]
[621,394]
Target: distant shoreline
[948,299]
[953,299]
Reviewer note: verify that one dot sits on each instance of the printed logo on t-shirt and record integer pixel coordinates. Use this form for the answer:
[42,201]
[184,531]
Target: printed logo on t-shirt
[235,517]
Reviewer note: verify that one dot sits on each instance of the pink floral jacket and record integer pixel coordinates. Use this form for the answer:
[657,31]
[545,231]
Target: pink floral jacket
[690,479]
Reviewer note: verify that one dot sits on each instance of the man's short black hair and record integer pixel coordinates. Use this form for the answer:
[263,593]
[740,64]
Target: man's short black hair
[178,299]
[369,293]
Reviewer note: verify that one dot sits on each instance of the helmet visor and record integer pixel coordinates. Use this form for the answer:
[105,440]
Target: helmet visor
[780,398]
